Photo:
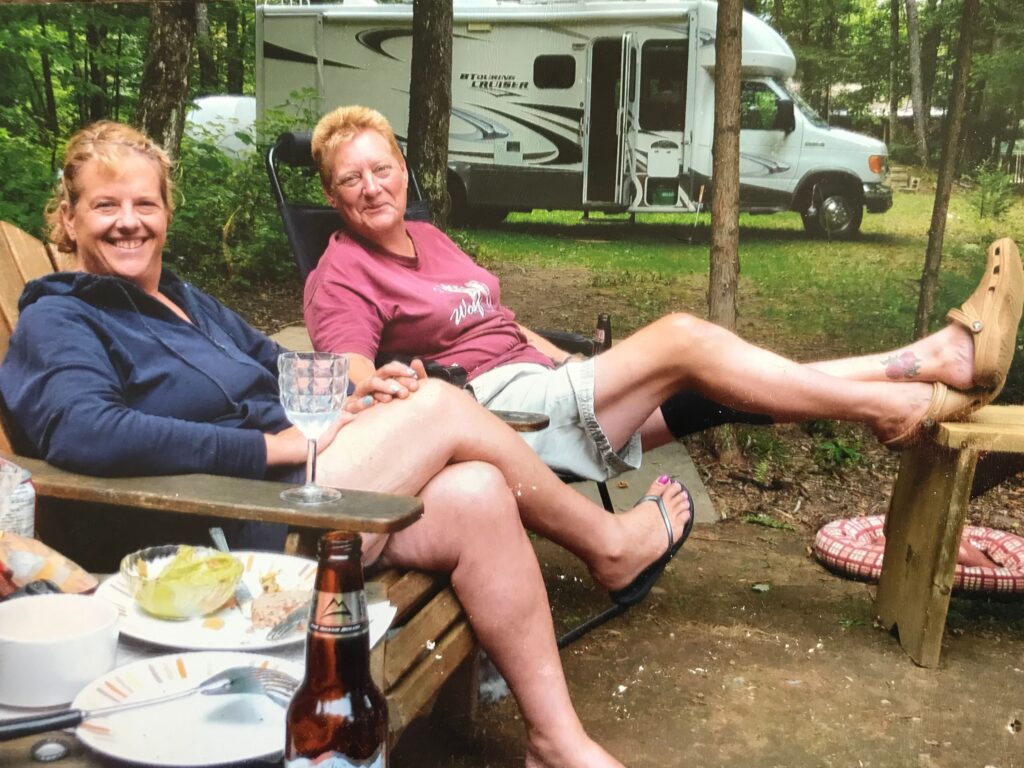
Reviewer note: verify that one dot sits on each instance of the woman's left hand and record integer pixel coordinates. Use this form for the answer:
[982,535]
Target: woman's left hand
[391,381]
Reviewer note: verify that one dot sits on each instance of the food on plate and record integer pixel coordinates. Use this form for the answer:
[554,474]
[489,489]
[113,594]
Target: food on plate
[179,581]
[268,581]
[270,607]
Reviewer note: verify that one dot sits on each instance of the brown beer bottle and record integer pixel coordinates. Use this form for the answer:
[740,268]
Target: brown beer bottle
[603,333]
[338,717]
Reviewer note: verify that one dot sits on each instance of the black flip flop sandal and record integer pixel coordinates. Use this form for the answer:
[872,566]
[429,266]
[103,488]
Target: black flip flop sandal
[638,589]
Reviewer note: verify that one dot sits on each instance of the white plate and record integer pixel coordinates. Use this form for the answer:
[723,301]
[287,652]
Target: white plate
[229,629]
[193,731]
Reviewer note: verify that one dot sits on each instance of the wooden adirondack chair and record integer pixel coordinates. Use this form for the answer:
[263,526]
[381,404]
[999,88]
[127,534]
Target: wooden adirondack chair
[429,615]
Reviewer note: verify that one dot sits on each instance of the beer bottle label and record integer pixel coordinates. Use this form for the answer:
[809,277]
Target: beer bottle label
[338,760]
[341,614]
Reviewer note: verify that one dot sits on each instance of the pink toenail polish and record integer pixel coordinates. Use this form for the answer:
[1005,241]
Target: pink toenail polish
[663,480]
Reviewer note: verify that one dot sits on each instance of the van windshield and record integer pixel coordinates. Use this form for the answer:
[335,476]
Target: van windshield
[808,111]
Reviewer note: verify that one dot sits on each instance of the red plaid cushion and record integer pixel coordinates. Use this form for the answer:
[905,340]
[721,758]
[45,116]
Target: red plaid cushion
[855,547]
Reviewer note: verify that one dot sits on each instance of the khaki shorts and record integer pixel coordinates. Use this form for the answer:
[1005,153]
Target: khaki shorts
[574,442]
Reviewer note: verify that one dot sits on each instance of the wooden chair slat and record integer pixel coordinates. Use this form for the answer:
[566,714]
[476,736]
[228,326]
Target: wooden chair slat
[415,691]
[412,591]
[418,638]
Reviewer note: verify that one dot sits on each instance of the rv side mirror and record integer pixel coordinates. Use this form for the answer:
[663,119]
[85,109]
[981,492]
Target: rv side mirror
[785,119]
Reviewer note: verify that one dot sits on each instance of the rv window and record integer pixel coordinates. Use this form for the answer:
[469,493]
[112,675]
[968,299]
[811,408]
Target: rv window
[663,85]
[758,105]
[554,72]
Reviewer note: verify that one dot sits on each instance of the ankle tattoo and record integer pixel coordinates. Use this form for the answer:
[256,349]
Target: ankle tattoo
[905,365]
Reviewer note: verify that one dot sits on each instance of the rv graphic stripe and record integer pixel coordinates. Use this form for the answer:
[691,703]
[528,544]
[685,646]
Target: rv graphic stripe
[569,152]
[570,113]
[374,39]
[273,51]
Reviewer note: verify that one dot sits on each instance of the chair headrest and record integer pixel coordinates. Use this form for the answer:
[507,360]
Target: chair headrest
[295,149]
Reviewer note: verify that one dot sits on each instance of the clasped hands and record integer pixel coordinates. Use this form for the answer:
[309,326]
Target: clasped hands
[393,381]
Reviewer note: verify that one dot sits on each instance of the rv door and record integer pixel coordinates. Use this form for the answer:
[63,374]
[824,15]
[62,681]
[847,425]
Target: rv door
[627,185]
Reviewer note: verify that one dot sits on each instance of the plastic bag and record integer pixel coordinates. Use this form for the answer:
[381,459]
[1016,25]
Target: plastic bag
[23,560]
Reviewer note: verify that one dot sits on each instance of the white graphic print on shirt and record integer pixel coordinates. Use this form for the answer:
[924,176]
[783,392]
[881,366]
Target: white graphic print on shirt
[476,301]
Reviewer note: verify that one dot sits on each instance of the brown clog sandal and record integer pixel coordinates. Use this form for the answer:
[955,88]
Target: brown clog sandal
[992,315]
[946,405]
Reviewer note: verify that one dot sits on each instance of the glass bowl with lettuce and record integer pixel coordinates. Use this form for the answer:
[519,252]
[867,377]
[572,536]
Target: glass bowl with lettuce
[178,581]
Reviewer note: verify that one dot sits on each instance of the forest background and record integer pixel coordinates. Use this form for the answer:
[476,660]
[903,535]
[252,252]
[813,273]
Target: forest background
[64,65]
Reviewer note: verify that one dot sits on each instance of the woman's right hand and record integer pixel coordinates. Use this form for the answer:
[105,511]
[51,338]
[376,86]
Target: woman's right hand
[290,445]
[391,381]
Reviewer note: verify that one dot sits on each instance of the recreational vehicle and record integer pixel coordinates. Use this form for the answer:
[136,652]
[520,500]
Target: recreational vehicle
[584,105]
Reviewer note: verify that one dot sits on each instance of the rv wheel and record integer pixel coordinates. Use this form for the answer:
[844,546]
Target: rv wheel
[834,213]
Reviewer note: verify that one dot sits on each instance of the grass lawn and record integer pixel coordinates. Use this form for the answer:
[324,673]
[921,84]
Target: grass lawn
[803,297]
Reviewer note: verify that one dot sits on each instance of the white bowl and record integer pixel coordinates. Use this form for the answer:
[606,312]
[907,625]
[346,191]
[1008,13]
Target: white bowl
[52,645]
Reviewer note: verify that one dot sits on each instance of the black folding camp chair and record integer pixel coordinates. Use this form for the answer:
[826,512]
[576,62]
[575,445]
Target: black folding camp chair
[309,227]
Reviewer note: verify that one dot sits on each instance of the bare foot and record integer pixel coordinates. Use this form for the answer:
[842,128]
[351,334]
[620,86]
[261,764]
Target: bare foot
[946,356]
[642,537]
[901,408]
[581,753]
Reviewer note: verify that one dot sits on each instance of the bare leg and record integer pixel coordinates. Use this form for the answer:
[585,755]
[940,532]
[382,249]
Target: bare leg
[681,352]
[471,527]
[946,356]
[400,446]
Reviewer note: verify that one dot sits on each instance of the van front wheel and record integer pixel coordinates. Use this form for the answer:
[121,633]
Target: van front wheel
[834,213]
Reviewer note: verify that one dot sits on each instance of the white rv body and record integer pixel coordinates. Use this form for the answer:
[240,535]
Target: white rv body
[540,117]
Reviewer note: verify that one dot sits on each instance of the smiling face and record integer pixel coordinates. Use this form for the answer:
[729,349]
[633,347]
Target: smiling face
[368,188]
[119,222]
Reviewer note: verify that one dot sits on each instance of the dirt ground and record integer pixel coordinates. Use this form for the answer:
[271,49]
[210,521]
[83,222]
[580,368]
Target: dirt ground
[708,671]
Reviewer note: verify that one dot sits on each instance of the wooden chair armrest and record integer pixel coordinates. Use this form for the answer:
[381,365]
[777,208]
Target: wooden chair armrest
[356,511]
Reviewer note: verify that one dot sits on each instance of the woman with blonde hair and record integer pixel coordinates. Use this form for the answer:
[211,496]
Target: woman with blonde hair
[118,367]
[388,286]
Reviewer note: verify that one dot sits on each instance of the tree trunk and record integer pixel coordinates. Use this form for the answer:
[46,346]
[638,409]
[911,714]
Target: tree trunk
[430,102]
[117,75]
[725,175]
[95,37]
[204,49]
[930,39]
[52,125]
[916,91]
[163,95]
[778,14]
[234,53]
[947,169]
[894,49]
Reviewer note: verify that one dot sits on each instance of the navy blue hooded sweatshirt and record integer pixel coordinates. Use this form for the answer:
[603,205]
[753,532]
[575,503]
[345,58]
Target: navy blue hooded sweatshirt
[105,380]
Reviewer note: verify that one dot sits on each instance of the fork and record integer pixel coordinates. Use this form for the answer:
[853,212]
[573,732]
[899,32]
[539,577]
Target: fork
[242,594]
[290,622]
[276,685]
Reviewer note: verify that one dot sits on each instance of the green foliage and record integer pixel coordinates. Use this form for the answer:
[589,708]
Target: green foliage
[768,454]
[824,428]
[767,521]
[25,182]
[834,449]
[227,222]
[994,192]
[836,454]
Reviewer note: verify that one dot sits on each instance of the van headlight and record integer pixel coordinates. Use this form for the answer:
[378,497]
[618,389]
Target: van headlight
[877,163]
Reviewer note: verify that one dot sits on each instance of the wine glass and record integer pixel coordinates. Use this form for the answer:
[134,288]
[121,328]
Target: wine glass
[313,387]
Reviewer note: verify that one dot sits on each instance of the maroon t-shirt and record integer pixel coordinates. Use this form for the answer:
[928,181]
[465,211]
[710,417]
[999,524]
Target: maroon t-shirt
[440,305]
